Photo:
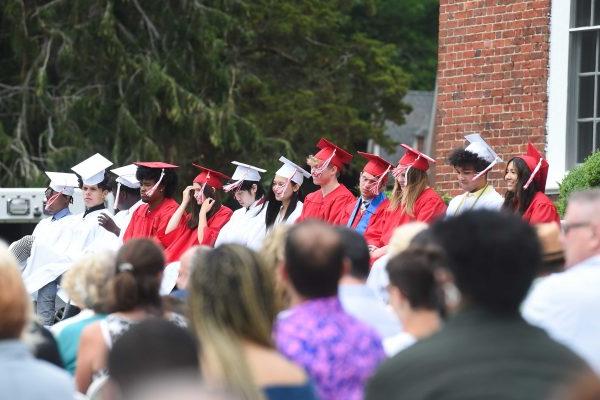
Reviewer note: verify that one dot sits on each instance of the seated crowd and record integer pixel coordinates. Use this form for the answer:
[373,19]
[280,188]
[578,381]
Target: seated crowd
[323,297]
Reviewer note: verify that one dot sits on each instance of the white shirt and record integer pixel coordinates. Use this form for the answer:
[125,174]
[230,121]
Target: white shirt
[486,198]
[567,306]
[378,279]
[246,227]
[395,344]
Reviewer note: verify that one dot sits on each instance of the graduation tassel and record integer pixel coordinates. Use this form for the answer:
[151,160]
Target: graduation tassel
[116,205]
[235,185]
[496,161]
[51,200]
[535,171]
[200,198]
[319,170]
[153,189]
[375,186]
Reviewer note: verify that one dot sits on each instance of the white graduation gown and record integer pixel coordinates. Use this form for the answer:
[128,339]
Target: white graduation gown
[489,199]
[246,227]
[59,244]
[293,216]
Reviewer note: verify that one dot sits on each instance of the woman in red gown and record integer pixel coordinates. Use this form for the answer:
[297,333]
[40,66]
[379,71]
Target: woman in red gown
[526,179]
[412,200]
[205,217]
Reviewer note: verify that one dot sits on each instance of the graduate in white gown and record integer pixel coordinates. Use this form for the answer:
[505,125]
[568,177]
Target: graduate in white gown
[247,224]
[50,238]
[127,199]
[284,205]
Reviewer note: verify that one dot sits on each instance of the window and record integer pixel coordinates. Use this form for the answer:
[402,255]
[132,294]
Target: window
[585,80]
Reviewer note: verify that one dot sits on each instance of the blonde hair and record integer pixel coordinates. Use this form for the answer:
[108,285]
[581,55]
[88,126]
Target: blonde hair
[272,252]
[403,235]
[15,306]
[416,182]
[88,281]
[232,299]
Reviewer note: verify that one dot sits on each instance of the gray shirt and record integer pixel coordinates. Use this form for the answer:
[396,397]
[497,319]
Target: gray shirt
[22,377]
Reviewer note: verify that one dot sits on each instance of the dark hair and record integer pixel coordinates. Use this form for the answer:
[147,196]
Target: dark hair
[194,207]
[357,251]
[150,349]
[493,257]
[314,257]
[464,158]
[137,277]
[169,181]
[519,201]
[106,183]
[125,189]
[413,273]
[246,186]
[274,205]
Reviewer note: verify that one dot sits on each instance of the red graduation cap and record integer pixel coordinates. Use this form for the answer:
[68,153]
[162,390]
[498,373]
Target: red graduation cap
[210,177]
[376,165]
[538,167]
[155,164]
[332,154]
[415,159]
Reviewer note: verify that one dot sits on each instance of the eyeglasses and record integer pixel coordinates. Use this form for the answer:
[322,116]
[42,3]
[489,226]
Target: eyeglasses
[566,227]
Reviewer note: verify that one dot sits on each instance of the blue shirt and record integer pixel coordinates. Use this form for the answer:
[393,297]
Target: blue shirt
[60,214]
[22,377]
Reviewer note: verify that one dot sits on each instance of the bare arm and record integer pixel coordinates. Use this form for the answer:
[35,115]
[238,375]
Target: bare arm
[91,356]
[176,217]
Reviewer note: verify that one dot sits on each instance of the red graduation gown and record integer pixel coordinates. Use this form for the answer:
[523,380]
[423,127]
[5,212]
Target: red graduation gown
[329,208]
[146,223]
[428,207]
[182,238]
[541,210]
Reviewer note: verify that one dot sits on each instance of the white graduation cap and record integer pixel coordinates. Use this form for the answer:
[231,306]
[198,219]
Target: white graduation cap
[483,150]
[243,172]
[292,171]
[126,176]
[92,169]
[64,183]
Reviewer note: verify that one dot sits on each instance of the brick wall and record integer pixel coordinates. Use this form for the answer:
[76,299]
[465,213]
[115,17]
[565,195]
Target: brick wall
[492,75]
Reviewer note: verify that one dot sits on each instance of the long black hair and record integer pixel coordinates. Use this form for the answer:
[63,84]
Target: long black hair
[260,192]
[194,207]
[274,205]
[519,200]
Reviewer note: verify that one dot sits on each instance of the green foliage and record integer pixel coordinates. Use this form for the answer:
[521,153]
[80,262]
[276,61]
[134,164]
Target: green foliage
[204,81]
[585,175]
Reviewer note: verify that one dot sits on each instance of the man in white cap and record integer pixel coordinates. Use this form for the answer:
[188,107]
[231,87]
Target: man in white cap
[127,199]
[49,233]
[472,165]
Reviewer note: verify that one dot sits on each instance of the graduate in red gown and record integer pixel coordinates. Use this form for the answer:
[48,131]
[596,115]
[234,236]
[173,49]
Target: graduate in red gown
[158,182]
[526,179]
[329,202]
[412,200]
[202,224]
[360,214]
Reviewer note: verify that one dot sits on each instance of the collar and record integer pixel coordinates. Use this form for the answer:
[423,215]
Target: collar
[92,209]
[479,192]
[62,213]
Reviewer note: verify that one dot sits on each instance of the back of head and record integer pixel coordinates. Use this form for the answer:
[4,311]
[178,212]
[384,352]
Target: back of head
[137,276]
[413,272]
[493,257]
[88,281]
[151,349]
[14,301]
[403,235]
[357,251]
[314,257]
[232,291]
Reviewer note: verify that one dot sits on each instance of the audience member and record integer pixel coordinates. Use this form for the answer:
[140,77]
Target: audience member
[566,304]
[87,284]
[134,296]
[152,349]
[356,297]
[485,350]
[272,252]
[232,300]
[21,375]
[415,296]
[339,352]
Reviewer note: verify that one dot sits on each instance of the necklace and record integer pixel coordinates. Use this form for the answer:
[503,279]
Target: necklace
[474,203]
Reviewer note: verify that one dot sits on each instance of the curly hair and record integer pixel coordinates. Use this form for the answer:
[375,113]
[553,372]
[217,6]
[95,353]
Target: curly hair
[464,158]
[169,181]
